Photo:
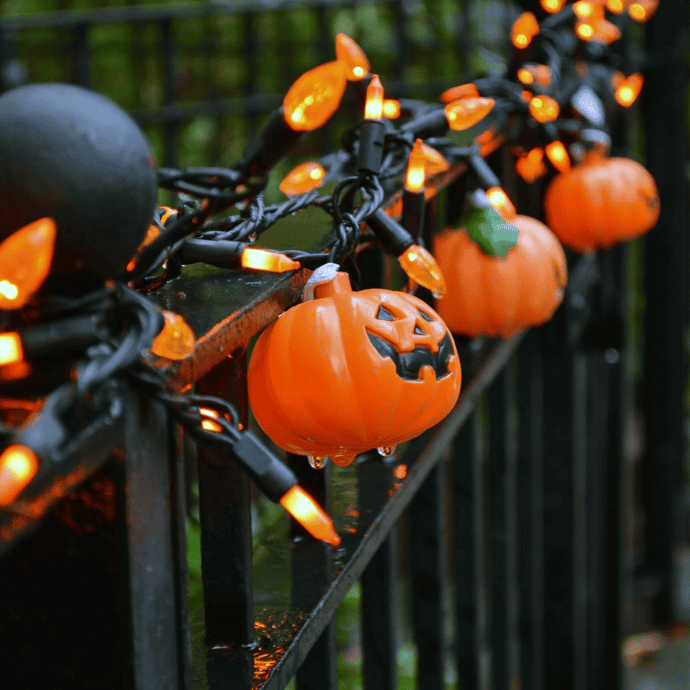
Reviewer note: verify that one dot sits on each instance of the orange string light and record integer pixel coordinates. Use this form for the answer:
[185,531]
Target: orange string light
[529,74]
[373,107]
[544,108]
[524,29]
[553,6]
[304,178]
[307,512]
[263,260]
[434,161]
[642,10]
[628,89]
[391,108]
[176,341]
[352,56]
[531,166]
[415,176]
[421,267]
[315,96]
[455,93]
[18,466]
[500,201]
[466,112]
[558,156]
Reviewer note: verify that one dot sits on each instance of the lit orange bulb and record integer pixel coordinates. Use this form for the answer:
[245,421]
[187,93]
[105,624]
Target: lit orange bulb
[558,156]
[466,112]
[391,108]
[524,29]
[263,260]
[414,178]
[544,108]
[642,10]
[584,9]
[373,107]
[606,32]
[25,258]
[309,514]
[615,6]
[304,178]
[176,340]
[421,267]
[11,350]
[18,466]
[629,89]
[500,201]
[434,161]
[531,166]
[457,92]
[352,56]
[528,74]
[553,6]
[315,96]
[584,30]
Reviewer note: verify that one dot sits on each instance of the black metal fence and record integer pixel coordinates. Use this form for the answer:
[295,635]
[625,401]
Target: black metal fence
[495,548]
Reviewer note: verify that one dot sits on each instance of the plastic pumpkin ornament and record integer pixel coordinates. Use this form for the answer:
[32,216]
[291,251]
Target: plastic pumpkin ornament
[601,202]
[350,371]
[500,295]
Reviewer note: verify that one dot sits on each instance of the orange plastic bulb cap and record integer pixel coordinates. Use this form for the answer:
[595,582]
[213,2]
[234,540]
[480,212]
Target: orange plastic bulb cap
[642,10]
[434,161]
[455,93]
[391,108]
[306,177]
[558,155]
[315,96]
[310,515]
[466,112]
[373,107]
[420,266]
[531,166]
[352,56]
[500,201]
[25,258]
[18,466]
[11,350]
[176,340]
[544,108]
[263,260]
[552,6]
[351,371]
[629,89]
[415,176]
[524,29]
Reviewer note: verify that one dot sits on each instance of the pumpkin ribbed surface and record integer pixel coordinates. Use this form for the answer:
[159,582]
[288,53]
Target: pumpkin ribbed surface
[488,295]
[319,386]
[601,203]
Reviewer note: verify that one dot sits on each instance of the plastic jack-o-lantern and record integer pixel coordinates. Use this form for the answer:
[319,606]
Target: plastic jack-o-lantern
[602,202]
[350,371]
[499,295]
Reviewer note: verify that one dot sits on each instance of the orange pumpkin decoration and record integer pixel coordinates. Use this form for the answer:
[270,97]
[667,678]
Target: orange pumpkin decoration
[602,202]
[490,295]
[351,371]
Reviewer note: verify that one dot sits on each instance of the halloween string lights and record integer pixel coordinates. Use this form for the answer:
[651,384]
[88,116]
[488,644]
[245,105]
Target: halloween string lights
[78,306]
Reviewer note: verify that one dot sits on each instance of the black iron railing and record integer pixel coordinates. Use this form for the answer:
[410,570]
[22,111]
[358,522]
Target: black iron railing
[510,514]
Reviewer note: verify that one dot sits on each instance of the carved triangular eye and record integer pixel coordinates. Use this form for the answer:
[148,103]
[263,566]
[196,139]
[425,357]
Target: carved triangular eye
[418,330]
[384,315]
[424,315]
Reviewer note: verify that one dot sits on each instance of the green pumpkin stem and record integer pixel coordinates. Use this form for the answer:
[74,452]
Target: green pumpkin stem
[495,236]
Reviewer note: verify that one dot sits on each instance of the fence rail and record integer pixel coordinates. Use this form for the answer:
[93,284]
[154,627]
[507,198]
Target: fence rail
[496,545]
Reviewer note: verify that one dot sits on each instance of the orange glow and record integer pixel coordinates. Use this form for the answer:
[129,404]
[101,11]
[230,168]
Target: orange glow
[414,179]
[617,79]
[525,77]
[400,472]
[307,512]
[606,32]
[11,350]
[466,112]
[455,93]
[500,201]
[434,161]
[544,108]
[526,95]
[315,96]
[531,166]
[263,260]
[488,141]
[642,10]
[615,6]
[18,465]
[528,74]
[558,156]
[420,266]
[208,412]
[552,6]
[629,89]
[176,340]
[210,425]
[584,9]
[524,29]
[373,107]
[304,178]
[391,108]
[584,30]
[25,258]
[352,56]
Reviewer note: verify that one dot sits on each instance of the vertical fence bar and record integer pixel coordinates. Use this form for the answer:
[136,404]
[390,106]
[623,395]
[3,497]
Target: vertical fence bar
[169,92]
[379,581]
[226,534]
[428,574]
[502,530]
[312,570]
[81,54]
[530,469]
[467,550]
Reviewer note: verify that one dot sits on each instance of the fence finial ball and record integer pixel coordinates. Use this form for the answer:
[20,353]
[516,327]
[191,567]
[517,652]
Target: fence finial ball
[75,156]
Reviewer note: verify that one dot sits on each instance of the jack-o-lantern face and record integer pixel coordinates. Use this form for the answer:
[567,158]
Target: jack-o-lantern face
[350,371]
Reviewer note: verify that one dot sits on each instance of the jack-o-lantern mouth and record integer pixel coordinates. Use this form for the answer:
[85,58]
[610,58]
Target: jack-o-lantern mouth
[409,364]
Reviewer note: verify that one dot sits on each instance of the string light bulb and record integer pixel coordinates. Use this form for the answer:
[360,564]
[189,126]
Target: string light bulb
[264,260]
[615,6]
[416,164]
[500,201]
[18,466]
[628,89]
[558,155]
[352,56]
[434,161]
[176,341]
[586,9]
[528,74]
[315,96]
[25,258]
[455,93]
[307,512]
[531,165]
[642,10]
[371,129]
[391,108]
[552,6]
[466,112]
[373,108]
[231,254]
[306,177]
[11,350]
[524,29]
[544,108]
[421,267]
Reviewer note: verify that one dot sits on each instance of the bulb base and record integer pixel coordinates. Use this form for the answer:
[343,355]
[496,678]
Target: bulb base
[371,135]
